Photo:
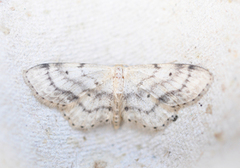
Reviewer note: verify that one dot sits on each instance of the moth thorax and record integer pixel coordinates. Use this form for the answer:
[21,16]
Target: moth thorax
[118,80]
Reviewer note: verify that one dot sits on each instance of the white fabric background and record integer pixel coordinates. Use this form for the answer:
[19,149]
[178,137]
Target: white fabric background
[205,33]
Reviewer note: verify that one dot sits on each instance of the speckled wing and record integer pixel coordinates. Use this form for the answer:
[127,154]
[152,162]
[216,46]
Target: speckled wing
[150,87]
[82,91]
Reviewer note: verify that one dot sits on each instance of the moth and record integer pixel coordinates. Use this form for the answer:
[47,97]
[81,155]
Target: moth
[89,95]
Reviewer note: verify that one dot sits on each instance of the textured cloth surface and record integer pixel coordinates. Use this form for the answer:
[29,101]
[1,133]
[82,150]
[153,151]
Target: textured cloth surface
[205,33]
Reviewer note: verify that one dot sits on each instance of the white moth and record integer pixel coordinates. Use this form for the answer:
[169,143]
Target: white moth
[89,95]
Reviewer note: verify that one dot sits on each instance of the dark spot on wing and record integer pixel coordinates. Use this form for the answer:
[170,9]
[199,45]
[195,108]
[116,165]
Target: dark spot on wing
[170,74]
[156,66]
[44,66]
[72,97]
[192,67]
[126,108]
[66,72]
[148,95]
[81,65]
[175,118]
[163,98]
